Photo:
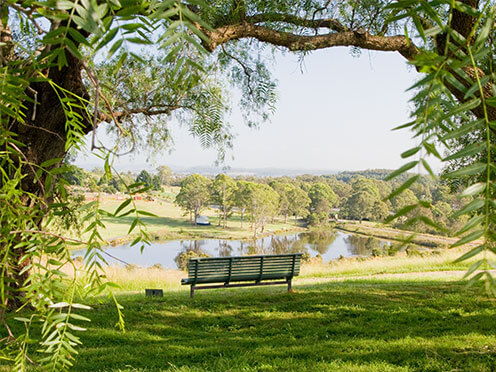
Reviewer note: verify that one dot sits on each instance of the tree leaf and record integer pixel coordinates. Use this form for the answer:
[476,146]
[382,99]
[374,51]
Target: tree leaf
[469,170]
[470,150]
[469,238]
[474,189]
[401,170]
[123,205]
[410,152]
[470,207]
[403,187]
[474,221]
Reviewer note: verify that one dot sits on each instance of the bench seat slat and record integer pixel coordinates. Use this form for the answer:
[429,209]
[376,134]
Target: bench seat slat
[243,278]
[234,266]
[238,263]
[250,268]
[247,272]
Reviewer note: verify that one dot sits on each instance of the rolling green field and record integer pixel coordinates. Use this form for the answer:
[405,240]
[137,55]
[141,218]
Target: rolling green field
[172,224]
[366,325]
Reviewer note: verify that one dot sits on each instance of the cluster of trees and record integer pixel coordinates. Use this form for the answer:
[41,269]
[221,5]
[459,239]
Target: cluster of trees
[262,202]
[99,181]
[318,199]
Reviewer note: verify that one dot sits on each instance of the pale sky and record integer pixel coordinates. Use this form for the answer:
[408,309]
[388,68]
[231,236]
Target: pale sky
[336,115]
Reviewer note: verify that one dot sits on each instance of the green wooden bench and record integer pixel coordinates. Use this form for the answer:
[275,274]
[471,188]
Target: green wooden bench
[261,270]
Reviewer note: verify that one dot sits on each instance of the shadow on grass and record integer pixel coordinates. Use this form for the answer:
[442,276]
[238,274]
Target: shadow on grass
[336,326]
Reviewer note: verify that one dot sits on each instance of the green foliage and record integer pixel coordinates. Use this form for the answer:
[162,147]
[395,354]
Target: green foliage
[455,109]
[293,201]
[365,201]
[262,202]
[165,174]
[322,198]
[194,194]
[182,258]
[75,176]
[223,189]
[45,110]
[145,178]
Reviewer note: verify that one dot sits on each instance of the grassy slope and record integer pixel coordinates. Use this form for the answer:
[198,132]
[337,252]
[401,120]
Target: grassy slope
[172,224]
[350,316]
[366,325]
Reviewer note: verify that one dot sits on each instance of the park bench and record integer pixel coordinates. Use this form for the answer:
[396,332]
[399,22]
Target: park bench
[260,269]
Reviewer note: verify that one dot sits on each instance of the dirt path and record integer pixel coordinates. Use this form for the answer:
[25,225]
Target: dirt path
[395,234]
[453,275]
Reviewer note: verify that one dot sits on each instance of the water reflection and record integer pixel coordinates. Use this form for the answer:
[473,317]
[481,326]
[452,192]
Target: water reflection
[366,246]
[326,245]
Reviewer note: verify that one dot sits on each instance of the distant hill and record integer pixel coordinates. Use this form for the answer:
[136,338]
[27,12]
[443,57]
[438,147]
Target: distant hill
[378,174]
[257,172]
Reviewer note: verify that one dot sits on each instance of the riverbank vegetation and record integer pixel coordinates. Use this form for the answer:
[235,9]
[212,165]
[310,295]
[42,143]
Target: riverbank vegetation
[133,278]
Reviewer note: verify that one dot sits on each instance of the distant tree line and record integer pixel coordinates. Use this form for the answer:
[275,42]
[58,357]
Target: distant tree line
[97,181]
[319,199]
[315,200]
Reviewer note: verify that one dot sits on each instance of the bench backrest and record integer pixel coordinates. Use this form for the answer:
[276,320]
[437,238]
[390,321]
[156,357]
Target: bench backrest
[243,268]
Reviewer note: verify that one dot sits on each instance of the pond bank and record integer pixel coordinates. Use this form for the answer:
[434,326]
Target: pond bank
[203,233]
[389,233]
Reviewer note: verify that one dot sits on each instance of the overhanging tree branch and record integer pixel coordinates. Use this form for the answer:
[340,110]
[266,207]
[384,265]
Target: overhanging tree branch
[293,42]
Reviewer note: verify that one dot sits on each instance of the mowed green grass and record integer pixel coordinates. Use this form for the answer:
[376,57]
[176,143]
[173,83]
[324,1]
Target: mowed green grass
[365,325]
[171,223]
[398,321]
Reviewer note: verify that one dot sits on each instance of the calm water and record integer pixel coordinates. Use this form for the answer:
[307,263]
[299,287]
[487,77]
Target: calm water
[329,246]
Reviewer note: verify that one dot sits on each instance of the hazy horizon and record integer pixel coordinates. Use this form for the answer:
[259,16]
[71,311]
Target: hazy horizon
[335,116]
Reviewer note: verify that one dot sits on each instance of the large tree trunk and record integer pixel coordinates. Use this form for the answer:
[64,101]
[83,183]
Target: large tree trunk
[44,136]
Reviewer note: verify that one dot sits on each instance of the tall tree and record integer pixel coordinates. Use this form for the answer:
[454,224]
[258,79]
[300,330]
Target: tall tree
[164,173]
[194,195]
[241,197]
[283,189]
[322,198]
[144,177]
[223,189]
[262,205]
[298,202]
[364,198]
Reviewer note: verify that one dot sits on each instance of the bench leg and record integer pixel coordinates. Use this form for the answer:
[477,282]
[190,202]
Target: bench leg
[289,285]
[192,292]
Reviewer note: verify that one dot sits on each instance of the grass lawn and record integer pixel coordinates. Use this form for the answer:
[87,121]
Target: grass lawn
[386,322]
[364,325]
[172,224]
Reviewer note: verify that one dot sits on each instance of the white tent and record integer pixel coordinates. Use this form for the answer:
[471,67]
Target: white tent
[202,220]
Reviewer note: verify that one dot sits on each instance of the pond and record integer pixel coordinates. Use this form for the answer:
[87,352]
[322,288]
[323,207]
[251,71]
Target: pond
[324,245]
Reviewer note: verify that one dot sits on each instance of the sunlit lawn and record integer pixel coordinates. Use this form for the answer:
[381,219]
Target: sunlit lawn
[171,222]
[382,325]
[339,318]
